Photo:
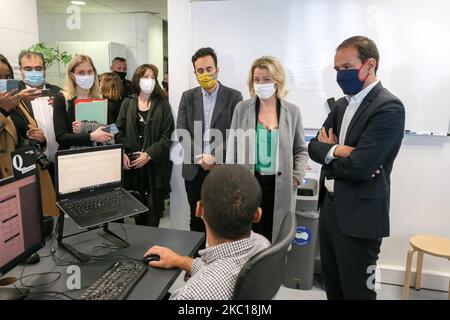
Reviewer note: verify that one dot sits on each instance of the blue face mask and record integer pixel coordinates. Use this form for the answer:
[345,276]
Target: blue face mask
[34,78]
[348,80]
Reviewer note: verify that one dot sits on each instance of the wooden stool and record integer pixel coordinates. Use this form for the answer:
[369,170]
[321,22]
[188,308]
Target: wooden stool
[435,246]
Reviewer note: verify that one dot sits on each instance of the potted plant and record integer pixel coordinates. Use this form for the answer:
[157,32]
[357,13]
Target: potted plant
[51,55]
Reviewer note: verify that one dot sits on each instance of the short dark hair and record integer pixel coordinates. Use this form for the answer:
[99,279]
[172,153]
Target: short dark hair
[139,73]
[204,52]
[119,59]
[230,198]
[28,54]
[366,48]
[4,60]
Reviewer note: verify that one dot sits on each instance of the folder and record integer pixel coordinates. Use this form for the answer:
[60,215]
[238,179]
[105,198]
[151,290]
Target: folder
[91,110]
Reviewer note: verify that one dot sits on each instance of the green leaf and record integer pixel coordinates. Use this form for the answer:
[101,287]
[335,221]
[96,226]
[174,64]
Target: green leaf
[51,55]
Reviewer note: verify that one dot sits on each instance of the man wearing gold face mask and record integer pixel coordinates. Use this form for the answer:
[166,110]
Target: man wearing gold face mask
[208,108]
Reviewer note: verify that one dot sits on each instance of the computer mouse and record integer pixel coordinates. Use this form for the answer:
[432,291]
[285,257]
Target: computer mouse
[150,258]
[33,259]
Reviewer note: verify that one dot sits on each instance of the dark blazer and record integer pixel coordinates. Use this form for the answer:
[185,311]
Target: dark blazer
[63,116]
[128,89]
[159,129]
[19,120]
[376,131]
[53,88]
[191,109]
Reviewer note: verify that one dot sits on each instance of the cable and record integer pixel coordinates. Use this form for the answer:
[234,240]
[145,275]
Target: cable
[55,293]
[61,262]
[48,284]
[126,257]
[92,257]
[51,283]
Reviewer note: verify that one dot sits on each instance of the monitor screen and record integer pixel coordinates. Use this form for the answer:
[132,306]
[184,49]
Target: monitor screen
[21,231]
[87,169]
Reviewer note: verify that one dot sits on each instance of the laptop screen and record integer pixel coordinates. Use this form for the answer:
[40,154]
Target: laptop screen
[88,169]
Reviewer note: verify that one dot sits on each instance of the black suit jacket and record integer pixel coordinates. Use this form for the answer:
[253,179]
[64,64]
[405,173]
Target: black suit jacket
[53,88]
[63,116]
[191,110]
[127,88]
[376,131]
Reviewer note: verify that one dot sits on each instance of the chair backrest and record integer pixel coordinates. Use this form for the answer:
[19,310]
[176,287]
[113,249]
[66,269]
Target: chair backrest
[261,276]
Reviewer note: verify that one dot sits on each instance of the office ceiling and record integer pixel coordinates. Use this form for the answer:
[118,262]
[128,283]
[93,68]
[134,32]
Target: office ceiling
[156,7]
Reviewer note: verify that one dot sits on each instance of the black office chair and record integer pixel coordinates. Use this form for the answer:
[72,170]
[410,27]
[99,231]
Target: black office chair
[260,278]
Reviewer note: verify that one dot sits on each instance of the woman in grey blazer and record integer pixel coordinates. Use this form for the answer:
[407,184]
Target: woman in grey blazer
[267,136]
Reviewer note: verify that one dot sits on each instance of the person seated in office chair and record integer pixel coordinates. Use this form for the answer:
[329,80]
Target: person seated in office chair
[228,209]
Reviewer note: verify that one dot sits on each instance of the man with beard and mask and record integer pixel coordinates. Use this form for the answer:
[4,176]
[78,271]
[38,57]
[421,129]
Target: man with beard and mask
[207,107]
[32,72]
[119,67]
[356,146]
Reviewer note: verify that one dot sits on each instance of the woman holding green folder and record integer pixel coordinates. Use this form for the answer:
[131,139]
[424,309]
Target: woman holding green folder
[146,124]
[81,83]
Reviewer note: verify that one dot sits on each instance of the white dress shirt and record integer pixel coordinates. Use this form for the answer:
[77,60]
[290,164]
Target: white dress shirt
[353,104]
[43,114]
[209,103]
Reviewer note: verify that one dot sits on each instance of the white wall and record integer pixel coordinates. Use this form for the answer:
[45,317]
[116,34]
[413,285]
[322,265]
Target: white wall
[180,70]
[141,33]
[420,204]
[18,27]
[155,43]
[304,34]
[420,198]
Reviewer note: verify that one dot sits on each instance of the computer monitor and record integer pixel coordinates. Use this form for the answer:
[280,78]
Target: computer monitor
[86,170]
[21,230]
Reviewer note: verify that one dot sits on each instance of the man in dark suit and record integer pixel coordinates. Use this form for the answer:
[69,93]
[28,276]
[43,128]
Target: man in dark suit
[357,147]
[32,71]
[203,113]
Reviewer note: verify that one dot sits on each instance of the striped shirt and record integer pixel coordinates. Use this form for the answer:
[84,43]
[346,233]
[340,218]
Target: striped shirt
[215,272]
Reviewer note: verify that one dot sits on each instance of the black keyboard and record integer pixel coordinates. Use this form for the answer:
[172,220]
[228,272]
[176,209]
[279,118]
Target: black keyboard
[112,200]
[116,282]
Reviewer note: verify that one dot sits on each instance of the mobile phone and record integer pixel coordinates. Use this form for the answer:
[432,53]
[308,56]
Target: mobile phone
[12,84]
[132,156]
[8,85]
[46,93]
[112,128]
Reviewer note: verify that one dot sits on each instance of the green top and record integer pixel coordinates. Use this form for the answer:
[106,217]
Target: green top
[266,149]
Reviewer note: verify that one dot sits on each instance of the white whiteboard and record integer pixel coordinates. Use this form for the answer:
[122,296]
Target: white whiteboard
[412,37]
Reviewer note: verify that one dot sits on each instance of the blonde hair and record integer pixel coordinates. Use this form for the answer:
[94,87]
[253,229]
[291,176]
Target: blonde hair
[70,90]
[111,86]
[276,72]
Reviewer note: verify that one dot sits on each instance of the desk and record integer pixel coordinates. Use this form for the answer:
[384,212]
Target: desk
[152,286]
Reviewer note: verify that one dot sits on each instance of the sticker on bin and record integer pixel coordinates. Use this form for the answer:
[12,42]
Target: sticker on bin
[303,236]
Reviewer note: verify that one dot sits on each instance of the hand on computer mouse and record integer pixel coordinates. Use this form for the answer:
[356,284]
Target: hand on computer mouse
[150,258]
[168,259]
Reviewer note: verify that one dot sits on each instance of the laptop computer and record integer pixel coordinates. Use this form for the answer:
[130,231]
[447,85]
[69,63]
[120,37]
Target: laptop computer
[89,186]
